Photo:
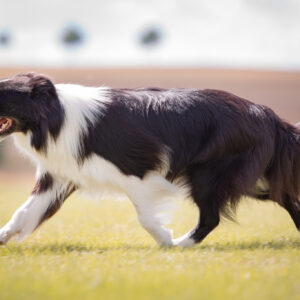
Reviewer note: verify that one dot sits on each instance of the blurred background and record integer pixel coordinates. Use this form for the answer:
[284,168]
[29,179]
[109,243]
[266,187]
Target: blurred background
[248,47]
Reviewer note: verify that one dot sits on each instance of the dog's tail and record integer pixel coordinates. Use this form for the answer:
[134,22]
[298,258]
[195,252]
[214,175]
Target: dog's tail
[284,170]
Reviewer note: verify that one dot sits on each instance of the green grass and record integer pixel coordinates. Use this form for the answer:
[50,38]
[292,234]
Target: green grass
[97,250]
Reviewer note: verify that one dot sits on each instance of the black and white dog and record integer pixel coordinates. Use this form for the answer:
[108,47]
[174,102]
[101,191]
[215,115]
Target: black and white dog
[151,144]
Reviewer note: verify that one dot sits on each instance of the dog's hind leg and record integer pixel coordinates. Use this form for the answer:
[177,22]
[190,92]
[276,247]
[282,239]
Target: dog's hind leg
[208,197]
[46,198]
[293,208]
[208,220]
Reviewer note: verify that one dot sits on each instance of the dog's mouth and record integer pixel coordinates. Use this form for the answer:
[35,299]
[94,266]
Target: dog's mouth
[5,125]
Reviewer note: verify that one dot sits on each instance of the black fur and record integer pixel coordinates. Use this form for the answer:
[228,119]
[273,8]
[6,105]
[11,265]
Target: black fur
[57,202]
[31,101]
[43,184]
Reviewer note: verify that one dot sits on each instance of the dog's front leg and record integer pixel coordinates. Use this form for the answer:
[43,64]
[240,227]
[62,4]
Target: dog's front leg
[46,198]
[154,203]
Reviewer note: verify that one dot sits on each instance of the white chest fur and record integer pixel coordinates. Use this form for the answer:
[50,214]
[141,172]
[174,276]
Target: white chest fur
[96,175]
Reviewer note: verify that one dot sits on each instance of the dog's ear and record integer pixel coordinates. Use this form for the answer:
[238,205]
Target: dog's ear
[42,88]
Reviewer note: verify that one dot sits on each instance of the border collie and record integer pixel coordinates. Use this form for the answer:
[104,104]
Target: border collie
[151,144]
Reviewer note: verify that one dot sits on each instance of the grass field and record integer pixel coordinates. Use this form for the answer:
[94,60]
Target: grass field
[97,250]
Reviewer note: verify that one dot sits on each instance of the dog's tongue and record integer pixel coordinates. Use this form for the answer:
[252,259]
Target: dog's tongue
[5,124]
[3,120]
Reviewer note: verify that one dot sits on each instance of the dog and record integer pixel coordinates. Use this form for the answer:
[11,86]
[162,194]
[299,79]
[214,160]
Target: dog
[155,145]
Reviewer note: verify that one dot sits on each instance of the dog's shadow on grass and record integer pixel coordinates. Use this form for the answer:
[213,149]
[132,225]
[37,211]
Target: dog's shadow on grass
[65,248]
[253,245]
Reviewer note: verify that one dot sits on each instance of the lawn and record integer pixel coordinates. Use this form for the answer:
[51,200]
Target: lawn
[97,250]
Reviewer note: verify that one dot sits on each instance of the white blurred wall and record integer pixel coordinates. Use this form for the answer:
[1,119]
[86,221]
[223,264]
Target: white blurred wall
[193,33]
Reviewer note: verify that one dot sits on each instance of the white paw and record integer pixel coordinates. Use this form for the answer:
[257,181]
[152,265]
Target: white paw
[166,238]
[184,241]
[22,235]
[4,236]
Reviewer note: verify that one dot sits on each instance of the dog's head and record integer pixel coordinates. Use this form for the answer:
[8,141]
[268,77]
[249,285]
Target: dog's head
[28,102]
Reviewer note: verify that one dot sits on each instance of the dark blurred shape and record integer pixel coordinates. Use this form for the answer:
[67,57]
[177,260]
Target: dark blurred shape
[73,35]
[5,38]
[152,36]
